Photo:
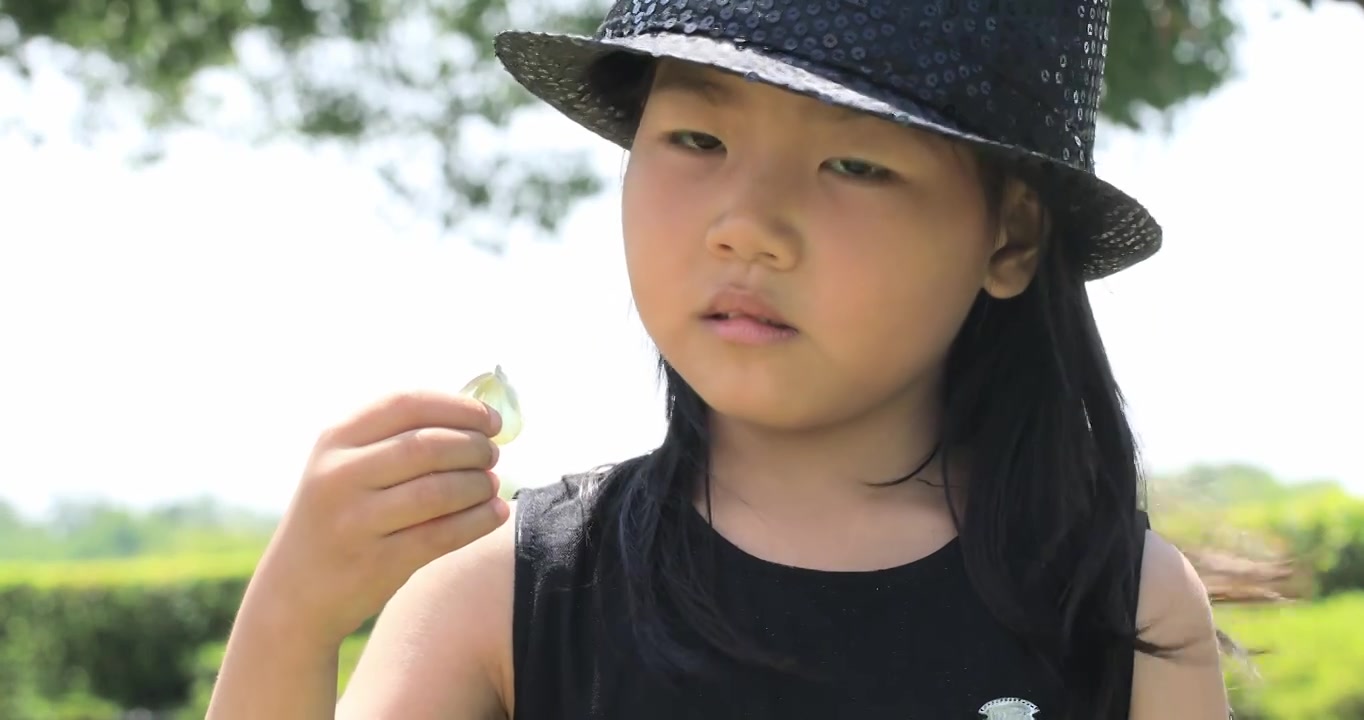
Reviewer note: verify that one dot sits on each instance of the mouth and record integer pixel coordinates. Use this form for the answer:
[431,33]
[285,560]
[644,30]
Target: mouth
[718,316]
[742,306]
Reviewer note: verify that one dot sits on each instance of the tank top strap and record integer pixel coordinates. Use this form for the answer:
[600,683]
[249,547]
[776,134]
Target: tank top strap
[550,519]
[555,638]
[1127,660]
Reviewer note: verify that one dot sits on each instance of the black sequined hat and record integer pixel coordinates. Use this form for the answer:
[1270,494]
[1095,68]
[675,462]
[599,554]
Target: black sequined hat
[1017,76]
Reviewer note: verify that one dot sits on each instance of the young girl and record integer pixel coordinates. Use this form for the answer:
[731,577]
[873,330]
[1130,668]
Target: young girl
[897,482]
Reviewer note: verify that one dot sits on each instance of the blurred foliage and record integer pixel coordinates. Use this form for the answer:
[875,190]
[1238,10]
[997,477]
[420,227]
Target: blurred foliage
[149,571]
[126,643]
[401,83]
[1247,512]
[89,633]
[1309,662]
[172,541]
[83,644]
[98,529]
[397,83]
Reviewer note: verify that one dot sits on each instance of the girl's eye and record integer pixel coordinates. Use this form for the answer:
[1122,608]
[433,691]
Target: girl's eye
[858,169]
[697,141]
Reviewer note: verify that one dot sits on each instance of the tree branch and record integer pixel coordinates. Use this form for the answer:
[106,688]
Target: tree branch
[1313,3]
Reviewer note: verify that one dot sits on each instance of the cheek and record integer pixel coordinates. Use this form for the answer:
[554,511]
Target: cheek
[658,254]
[909,281]
[906,327]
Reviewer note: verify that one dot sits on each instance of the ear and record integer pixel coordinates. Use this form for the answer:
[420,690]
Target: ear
[1022,225]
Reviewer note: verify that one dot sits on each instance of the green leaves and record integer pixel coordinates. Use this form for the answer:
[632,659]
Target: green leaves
[1163,53]
[399,81]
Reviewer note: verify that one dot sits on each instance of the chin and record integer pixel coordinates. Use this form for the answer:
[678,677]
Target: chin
[766,407]
[779,403]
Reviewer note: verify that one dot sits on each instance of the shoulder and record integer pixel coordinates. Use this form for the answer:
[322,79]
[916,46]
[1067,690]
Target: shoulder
[1172,596]
[442,646]
[1174,612]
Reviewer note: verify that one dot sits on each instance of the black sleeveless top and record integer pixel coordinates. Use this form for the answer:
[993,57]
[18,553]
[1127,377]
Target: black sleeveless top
[912,642]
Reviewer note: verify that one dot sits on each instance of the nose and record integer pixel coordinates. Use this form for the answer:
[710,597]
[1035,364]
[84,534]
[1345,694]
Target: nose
[757,231]
[754,237]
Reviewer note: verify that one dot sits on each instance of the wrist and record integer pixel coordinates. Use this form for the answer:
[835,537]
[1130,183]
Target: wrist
[269,614]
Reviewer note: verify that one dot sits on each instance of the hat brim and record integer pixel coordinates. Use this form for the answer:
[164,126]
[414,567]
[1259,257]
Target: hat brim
[1113,230]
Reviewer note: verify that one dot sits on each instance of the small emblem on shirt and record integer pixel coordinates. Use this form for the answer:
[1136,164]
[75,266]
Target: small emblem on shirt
[1008,709]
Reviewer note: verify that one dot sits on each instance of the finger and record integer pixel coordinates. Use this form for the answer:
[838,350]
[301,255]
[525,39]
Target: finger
[418,545]
[428,497]
[408,411]
[414,453]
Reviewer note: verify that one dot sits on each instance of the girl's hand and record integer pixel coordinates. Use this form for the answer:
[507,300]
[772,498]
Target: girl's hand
[385,492]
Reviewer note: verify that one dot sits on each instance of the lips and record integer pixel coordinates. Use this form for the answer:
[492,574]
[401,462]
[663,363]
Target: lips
[738,303]
[758,318]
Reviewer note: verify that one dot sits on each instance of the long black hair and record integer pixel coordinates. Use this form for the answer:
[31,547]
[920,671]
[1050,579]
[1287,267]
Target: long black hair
[1051,537]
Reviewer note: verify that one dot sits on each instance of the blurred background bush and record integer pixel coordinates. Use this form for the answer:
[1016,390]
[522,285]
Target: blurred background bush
[141,625]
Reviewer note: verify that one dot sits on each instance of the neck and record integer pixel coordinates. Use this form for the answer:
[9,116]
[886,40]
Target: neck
[827,466]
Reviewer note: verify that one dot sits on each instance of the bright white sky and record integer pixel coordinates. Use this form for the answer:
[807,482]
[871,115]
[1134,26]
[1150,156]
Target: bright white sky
[190,328]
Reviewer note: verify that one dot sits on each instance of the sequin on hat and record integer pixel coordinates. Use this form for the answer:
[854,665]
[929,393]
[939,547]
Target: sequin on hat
[1020,77]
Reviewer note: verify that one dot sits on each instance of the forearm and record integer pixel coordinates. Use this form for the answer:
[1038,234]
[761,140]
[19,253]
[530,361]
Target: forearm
[270,672]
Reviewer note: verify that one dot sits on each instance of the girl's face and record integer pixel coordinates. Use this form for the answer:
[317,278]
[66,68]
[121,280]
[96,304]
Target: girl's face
[868,241]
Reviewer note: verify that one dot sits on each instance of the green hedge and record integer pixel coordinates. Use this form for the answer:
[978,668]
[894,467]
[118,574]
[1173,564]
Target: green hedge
[1325,528]
[87,636]
[19,696]
[80,638]
[1313,661]
[1310,668]
[1321,525]
[84,641]
[122,631]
